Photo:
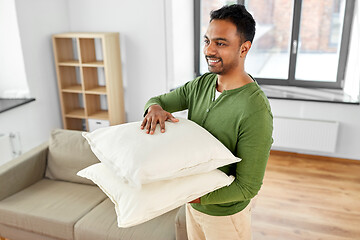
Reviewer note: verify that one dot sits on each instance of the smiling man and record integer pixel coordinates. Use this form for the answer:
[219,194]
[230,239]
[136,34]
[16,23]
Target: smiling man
[231,106]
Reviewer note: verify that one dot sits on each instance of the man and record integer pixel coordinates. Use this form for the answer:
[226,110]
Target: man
[231,106]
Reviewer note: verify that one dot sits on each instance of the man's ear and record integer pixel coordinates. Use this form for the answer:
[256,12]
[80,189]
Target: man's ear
[244,48]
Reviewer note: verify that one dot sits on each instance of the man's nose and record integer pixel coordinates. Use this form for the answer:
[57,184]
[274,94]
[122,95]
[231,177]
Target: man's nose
[210,49]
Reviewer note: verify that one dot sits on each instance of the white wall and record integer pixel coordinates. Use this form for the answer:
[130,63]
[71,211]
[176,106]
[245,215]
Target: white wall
[37,20]
[12,70]
[347,115]
[182,41]
[142,34]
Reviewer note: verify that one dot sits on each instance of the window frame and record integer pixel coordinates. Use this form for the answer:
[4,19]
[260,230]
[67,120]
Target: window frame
[291,81]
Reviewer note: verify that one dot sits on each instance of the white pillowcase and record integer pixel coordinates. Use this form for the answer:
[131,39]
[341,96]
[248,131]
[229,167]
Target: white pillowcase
[184,149]
[134,206]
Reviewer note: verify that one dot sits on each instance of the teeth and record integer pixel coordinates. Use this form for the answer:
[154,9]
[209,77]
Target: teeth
[214,61]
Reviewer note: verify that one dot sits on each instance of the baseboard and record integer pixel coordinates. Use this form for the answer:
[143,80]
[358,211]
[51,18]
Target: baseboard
[314,157]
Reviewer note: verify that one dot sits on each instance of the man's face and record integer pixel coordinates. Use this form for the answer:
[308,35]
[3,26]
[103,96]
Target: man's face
[222,46]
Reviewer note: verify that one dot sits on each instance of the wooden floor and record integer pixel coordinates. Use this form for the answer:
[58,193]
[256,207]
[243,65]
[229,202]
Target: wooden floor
[308,198]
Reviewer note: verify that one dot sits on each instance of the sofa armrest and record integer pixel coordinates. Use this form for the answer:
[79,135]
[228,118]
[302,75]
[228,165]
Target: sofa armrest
[23,171]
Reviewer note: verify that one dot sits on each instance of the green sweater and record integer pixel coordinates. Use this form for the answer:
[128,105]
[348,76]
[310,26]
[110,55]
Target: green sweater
[241,119]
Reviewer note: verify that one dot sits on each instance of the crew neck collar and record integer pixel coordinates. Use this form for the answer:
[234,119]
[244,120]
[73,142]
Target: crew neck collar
[235,89]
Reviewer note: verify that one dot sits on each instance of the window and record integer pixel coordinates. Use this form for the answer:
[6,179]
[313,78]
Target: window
[297,43]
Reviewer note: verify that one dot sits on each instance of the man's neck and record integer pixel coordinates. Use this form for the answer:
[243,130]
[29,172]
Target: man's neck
[233,80]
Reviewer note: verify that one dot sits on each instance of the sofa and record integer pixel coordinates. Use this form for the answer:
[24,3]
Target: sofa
[41,197]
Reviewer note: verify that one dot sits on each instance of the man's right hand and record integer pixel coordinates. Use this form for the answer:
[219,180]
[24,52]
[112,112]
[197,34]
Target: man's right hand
[156,114]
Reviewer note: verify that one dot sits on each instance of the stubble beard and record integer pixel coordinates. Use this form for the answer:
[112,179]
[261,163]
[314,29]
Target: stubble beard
[213,70]
[222,70]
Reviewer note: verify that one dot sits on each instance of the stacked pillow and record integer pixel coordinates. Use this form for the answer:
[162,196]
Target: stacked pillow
[147,175]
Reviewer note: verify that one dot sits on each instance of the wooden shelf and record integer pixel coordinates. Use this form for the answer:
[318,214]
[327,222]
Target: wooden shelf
[74,63]
[84,64]
[76,113]
[73,89]
[93,64]
[97,90]
[87,66]
[102,114]
[86,34]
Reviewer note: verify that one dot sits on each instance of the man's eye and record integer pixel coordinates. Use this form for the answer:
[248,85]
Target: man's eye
[206,42]
[220,44]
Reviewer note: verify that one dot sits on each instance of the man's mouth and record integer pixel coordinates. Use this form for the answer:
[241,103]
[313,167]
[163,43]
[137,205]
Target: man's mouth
[213,61]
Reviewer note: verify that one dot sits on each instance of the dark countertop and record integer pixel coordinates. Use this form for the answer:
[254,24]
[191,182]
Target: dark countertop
[7,104]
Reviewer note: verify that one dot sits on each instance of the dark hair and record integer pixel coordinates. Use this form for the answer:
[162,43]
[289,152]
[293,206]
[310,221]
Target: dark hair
[237,14]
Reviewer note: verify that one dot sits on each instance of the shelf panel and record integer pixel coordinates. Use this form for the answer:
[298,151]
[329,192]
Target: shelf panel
[102,114]
[69,63]
[93,64]
[98,90]
[84,34]
[73,89]
[76,113]
[75,124]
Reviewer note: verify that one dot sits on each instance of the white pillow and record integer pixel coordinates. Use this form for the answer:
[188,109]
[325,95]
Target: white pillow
[184,149]
[134,206]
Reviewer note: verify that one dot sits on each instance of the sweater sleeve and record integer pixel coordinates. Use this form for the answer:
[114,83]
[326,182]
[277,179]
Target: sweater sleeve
[253,147]
[176,100]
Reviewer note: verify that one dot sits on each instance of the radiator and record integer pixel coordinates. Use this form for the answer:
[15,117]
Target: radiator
[305,134]
[9,147]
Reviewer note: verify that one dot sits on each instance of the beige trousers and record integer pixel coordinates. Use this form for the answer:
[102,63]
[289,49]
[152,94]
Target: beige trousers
[201,226]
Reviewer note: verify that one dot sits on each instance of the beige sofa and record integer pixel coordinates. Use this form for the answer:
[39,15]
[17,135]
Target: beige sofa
[41,197]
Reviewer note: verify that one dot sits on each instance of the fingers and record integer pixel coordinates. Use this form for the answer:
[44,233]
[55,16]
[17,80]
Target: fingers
[162,125]
[143,124]
[153,126]
[155,117]
[172,118]
[162,122]
[147,126]
[150,125]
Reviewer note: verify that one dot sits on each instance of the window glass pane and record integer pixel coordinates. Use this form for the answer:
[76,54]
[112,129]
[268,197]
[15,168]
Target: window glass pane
[206,7]
[319,41]
[269,55]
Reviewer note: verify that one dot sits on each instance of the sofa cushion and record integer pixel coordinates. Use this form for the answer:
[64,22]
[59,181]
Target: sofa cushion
[101,223]
[16,234]
[50,207]
[68,153]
